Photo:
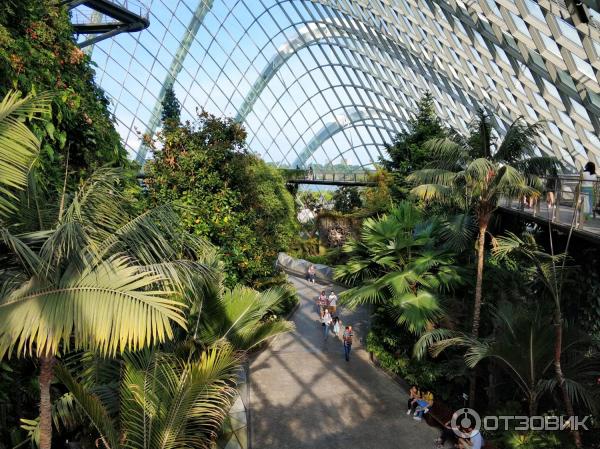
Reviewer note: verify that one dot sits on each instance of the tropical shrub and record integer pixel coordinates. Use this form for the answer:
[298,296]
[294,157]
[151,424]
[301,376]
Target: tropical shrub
[392,347]
[227,195]
[400,263]
[86,274]
[163,400]
[347,199]
[533,440]
[319,259]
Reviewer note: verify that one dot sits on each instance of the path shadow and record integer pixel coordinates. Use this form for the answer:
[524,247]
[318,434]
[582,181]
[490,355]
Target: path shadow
[305,395]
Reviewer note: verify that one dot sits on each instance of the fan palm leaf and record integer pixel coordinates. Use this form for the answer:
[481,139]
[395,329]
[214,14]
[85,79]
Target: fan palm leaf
[416,311]
[396,265]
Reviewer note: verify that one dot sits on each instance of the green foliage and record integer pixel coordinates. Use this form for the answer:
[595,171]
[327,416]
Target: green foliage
[171,109]
[318,259]
[96,270]
[400,262]
[465,172]
[392,346]
[288,299]
[18,145]
[347,199]
[37,53]
[229,196]
[238,316]
[407,152]
[584,292]
[379,199]
[164,400]
[533,440]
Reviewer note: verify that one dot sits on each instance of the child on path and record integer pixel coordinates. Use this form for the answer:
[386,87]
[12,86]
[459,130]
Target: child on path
[336,325]
[347,338]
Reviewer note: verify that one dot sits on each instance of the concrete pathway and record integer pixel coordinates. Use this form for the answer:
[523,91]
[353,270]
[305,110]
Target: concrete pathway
[303,394]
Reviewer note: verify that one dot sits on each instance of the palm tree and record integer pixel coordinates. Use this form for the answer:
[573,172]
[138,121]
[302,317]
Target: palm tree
[163,400]
[398,264]
[476,173]
[95,278]
[550,272]
[18,145]
[522,345]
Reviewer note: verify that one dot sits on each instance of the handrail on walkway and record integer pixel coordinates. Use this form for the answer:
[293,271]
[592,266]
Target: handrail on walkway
[299,176]
[571,191]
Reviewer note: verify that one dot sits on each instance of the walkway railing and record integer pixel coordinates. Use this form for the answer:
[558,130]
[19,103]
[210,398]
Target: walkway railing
[565,199]
[309,177]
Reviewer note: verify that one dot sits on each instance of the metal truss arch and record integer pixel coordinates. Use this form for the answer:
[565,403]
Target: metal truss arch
[300,42]
[530,58]
[333,128]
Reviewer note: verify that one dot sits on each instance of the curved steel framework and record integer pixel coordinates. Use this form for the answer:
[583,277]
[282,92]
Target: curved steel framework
[331,81]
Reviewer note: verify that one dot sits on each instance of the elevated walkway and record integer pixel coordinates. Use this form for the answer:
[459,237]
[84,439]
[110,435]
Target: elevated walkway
[570,200]
[357,179]
[101,19]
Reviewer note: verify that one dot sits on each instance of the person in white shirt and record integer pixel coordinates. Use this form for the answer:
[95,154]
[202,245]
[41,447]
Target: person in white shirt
[588,178]
[326,321]
[475,440]
[332,302]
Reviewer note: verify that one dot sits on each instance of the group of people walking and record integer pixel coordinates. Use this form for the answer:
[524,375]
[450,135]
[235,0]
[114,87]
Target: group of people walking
[327,308]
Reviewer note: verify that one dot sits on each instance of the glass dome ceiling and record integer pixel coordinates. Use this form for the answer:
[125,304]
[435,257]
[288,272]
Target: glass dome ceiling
[331,81]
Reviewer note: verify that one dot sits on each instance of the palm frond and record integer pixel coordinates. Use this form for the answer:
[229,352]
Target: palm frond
[519,142]
[579,393]
[98,202]
[432,176]
[369,292]
[432,192]
[170,402]
[237,316]
[443,338]
[417,311]
[92,407]
[448,153]
[29,260]
[18,144]
[458,232]
[110,308]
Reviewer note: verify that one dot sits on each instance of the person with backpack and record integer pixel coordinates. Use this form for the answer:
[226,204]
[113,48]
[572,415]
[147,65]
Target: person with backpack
[347,339]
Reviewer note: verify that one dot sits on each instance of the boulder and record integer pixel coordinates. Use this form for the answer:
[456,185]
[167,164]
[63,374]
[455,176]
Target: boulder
[299,267]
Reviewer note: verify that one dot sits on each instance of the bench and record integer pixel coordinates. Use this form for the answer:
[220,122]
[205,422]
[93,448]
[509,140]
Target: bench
[439,414]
